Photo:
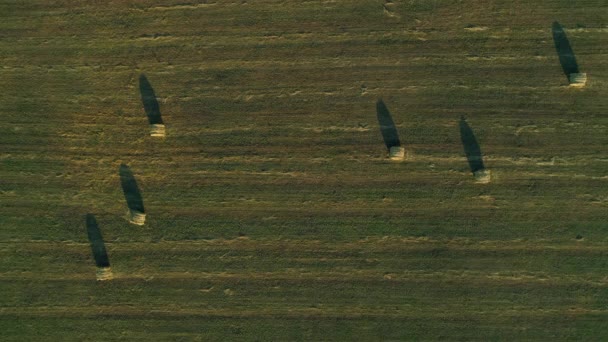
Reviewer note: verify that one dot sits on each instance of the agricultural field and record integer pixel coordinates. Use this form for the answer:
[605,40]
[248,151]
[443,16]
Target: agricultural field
[273,212]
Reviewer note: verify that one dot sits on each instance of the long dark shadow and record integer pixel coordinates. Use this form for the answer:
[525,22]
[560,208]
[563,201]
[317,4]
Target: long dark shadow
[471,146]
[149,100]
[564,50]
[130,189]
[97,246]
[387,126]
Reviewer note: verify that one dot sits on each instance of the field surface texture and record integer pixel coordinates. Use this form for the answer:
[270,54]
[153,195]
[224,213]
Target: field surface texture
[272,210]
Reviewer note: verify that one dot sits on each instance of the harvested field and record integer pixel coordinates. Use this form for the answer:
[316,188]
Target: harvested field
[272,209]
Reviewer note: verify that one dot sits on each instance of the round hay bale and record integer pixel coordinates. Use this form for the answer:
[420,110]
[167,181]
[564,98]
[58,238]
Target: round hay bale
[104,273]
[396,153]
[157,130]
[578,79]
[136,217]
[482,176]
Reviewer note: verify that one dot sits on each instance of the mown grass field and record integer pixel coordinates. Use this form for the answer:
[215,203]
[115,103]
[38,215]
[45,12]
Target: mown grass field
[273,212]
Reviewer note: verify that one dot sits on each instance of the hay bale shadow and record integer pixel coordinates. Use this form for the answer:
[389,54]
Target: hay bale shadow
[471,147]
[148,98]
[567,59]
[387,126]
[130,189]
[97,245]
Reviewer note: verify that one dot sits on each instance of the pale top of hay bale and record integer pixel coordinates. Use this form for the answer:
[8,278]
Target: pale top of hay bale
[577,79]
[157,130]
[396,153]
[476,28]
[104,273]
[482,176]
[137,217]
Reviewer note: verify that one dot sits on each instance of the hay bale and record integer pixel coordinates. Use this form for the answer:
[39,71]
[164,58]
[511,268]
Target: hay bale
[157,130]
[396,153]
[577,79]
[136,217]
[104,273]
[482,176]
